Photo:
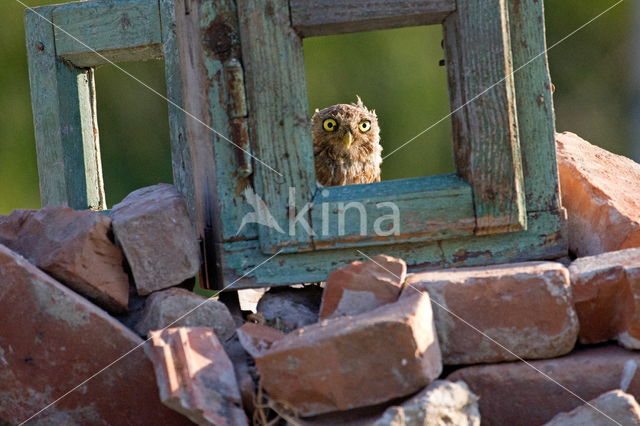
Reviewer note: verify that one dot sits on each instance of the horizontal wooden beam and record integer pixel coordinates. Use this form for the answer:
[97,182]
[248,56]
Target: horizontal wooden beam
[328,17]
[119,30]
[427,208]
[544,239]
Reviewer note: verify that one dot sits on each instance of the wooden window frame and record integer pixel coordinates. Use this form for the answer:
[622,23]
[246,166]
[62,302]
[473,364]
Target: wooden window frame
[502,205]
[490,196]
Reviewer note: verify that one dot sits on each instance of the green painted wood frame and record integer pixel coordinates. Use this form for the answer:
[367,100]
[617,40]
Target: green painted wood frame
[502,205]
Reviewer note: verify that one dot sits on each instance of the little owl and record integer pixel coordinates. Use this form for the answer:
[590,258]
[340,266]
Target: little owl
[346,145]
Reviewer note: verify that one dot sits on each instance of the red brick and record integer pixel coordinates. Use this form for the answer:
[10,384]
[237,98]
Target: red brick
[52,340]
[519,394]
[606,291]
[195,375]
[526,307]
[354,361]
[363,286]
[258,338]
[74,247]
[601,194]
[158,238]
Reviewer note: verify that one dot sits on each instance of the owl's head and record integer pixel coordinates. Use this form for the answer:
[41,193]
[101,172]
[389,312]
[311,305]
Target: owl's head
[346,127]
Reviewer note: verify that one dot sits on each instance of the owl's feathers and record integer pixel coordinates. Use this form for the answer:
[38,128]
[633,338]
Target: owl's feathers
[346,144]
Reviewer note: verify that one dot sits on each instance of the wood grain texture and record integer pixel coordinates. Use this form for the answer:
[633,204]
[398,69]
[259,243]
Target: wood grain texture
[428,208]
[278,119]
[329,17]
[482,74]
[201,168]
[63,101]
[536,119]
[242,257]
[180,154]
[120,30]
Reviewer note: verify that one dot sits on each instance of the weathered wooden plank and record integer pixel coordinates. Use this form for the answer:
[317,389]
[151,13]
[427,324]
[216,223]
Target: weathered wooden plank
[205,79]
[460,129]
[278,120]
[120,30]
[536,120]
[284,269]
[410,210]
[180,154]
[488,106]
[63,101]
[198,135]
[328,17]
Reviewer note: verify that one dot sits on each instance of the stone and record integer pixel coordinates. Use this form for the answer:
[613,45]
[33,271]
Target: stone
[177,307]
[157,236]
[195,376]
[75,248]
[607,409]
[363,286]
[258,338]
[289,308]
[245,371]
[354,361]
[249,298]
[601,194]
[532,393]
[606,293]
[55,346]
[441,403]
[525,307]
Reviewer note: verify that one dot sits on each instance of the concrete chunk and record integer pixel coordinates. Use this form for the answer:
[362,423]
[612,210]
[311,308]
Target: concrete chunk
[177,307]
[605,410]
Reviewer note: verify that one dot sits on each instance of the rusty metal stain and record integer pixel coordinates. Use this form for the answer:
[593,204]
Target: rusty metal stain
[221,40]
[240,132]
[234,80]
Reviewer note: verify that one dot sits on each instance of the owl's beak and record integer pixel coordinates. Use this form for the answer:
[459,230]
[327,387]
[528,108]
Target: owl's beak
[347,139]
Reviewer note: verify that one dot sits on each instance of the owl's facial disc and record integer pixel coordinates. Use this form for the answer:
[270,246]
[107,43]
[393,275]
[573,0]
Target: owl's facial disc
[347,139]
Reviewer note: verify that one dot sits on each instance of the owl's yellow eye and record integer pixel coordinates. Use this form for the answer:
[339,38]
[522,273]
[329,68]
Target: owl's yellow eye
[364,126]
[330,125]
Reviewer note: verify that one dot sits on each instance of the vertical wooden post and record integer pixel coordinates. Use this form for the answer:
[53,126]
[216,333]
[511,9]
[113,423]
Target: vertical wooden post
[63,99]
[483,96]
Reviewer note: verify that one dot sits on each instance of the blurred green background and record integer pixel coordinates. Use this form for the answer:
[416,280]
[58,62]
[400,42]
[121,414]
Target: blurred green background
[395,72]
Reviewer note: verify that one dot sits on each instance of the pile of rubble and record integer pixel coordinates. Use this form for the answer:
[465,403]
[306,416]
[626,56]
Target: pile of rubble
[550,342]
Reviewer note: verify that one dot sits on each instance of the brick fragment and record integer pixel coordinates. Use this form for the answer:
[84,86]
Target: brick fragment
[363,286]
[354,361]
[525,307]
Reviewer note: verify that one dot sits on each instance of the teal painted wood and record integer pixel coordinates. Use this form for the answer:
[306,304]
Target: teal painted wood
[180,155]
[63,101]
[219,76]
[481,40]
[121,30]
[392,212]
[242,257]
[198,135]
[329,17]
[534,99]
[278,119]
